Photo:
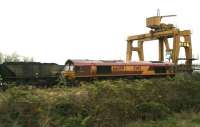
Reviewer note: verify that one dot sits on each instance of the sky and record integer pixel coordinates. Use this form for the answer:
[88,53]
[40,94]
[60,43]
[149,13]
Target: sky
[57,30]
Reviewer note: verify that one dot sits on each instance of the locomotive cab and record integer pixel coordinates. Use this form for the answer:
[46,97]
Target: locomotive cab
[68,71]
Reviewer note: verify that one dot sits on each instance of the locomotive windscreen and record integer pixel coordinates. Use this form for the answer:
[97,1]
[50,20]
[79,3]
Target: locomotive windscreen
[69,67]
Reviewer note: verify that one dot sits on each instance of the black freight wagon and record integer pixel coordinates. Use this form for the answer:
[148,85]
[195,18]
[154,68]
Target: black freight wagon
[30,72]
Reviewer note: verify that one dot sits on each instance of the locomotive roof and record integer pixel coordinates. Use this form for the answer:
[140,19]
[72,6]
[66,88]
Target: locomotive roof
[79,62]
[91,62]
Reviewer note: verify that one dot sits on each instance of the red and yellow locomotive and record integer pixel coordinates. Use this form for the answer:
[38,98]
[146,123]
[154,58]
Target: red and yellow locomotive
[87,69]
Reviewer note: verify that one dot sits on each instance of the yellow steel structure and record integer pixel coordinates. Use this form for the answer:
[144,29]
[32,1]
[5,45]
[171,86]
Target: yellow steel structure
[162,32]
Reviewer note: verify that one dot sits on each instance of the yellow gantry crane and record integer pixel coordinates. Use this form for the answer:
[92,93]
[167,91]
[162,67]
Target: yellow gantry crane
[162,32]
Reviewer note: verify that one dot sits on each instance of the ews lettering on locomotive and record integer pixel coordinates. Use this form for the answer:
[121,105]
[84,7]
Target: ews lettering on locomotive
[134,68]
[118,68]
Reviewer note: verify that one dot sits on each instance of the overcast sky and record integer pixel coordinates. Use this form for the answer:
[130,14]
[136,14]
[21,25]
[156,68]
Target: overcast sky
[56,30]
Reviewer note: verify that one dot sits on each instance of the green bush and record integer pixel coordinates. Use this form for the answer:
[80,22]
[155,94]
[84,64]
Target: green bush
[109,103]
[151,111]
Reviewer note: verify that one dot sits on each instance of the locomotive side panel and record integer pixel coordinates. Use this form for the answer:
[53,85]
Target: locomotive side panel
[118,69]
[134,69]
[83,71]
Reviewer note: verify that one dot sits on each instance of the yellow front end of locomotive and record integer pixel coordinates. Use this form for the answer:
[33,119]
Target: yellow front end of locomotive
[69,75]
[69,72]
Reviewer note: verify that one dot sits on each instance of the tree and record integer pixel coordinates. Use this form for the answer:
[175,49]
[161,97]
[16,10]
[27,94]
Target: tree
[27,59]
[14,57]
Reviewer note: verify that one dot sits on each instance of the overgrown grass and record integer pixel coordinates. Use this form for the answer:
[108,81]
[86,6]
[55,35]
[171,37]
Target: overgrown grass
[184,119]
[162,102]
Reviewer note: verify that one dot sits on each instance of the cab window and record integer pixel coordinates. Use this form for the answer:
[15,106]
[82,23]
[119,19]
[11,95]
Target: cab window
[69,67]
[66,67]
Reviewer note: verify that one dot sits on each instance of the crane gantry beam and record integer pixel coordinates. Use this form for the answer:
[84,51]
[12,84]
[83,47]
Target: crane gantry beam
[157,35]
